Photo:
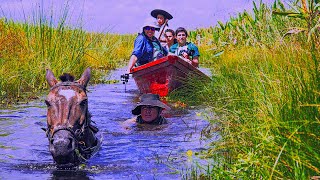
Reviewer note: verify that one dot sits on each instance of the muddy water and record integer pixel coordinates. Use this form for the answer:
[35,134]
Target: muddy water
[127,152]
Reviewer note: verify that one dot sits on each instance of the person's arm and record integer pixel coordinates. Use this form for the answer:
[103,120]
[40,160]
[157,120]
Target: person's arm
[128,124]
[137,52]
[195,61]
[195,55]
[132,62]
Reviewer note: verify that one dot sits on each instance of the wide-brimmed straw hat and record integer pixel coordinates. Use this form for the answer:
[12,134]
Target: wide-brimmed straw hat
[149,100]
[166,15]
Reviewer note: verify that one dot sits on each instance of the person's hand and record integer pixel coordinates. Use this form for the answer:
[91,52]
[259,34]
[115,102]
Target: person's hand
[186,60]
[185,55]
[129,70]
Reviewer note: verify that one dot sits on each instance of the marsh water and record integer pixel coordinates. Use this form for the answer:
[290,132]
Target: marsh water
[127,152]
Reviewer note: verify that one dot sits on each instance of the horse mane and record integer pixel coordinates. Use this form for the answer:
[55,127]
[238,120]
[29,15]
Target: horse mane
[66,77]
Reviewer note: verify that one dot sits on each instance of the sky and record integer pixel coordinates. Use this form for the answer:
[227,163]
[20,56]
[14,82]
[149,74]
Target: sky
[126,16]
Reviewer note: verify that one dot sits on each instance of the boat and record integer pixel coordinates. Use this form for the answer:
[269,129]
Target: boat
[164,75]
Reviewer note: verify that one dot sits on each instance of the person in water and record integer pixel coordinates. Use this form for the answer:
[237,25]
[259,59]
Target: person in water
[147,47]
[148,111]
[187,50]
[162,18]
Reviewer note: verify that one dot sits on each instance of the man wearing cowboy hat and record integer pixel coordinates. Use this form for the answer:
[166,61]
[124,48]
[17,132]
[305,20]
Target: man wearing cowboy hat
[147,47]
[148,111]
[162,17]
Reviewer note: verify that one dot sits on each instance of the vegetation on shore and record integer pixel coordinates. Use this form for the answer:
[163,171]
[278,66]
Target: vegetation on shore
[265,94]
[27,50]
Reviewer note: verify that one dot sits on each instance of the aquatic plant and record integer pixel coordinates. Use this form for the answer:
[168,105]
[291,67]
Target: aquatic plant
[265,93]
[27,49]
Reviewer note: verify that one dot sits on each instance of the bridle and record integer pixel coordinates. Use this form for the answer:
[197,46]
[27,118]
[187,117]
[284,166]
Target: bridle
[68,83]
[82,151]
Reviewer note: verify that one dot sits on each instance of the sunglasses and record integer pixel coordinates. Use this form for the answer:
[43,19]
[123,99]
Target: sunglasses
[149,28]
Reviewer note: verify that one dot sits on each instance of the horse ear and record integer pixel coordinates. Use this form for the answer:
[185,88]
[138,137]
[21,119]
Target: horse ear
[50,78]
[85,77]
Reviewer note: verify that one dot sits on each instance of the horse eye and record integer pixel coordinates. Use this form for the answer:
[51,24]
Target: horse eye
[47,103]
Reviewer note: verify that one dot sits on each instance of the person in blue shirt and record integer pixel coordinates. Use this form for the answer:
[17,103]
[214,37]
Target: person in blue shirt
[147,47]
[187,50]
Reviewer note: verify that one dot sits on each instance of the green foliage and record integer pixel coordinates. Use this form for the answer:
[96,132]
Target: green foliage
[27,50]
[264,94]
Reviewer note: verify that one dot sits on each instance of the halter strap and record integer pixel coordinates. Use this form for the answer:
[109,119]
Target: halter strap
[67,83]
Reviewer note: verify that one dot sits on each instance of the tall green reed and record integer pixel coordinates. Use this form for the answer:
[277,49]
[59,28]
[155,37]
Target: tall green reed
[29,48]
[265,93]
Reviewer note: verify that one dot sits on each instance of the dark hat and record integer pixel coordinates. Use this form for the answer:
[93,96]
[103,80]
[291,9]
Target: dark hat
[166,15]
[149,100]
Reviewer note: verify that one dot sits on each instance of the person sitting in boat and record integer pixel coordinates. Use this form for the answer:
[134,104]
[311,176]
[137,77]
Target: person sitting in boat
[162,18]
[149,110]
[170,38]
[187,50]
[147,47]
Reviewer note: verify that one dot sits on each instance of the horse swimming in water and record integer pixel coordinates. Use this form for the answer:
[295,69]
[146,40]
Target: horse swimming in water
[72,137]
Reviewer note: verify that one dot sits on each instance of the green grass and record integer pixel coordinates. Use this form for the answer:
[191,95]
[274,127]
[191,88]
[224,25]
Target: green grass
[28,49]
[265,95]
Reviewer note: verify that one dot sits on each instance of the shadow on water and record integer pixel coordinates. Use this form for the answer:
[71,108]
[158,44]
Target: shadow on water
[69,175]
[135,152]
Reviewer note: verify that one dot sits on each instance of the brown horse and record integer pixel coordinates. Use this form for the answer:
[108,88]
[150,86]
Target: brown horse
[72,138]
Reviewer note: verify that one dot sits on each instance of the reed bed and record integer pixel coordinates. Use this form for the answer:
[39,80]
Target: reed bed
[264,93]
[28,49]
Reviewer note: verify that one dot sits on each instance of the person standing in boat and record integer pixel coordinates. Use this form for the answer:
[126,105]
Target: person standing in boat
[162,18]
[170,38]
[187,50]
[147,47]
[148,111]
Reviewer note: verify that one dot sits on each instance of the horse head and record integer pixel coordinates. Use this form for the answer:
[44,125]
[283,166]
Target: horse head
[71,140]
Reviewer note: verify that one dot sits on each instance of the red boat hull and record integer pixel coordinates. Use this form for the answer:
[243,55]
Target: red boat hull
[164,75]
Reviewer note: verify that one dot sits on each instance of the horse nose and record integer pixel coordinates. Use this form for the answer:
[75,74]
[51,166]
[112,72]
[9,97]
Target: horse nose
[62,146]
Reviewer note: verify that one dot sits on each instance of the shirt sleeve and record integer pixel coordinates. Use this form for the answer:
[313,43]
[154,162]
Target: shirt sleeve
[138,46]
[173,48]
[165,51]
[196,51]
